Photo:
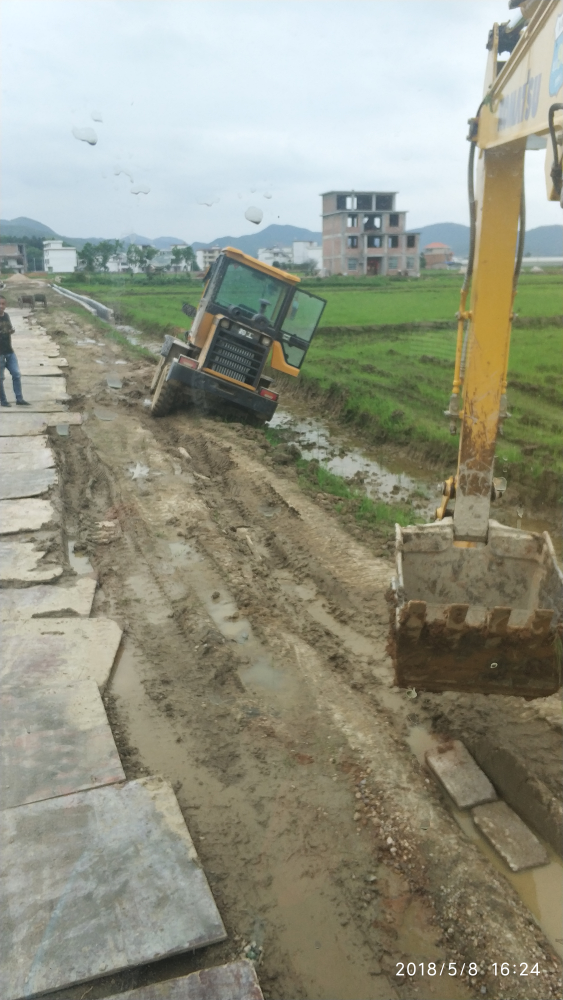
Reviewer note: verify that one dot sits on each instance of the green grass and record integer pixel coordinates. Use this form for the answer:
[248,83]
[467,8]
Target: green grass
[156,306]
[397,385]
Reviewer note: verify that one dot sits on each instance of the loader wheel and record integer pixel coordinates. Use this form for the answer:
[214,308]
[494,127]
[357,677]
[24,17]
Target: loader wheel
[156,375]
[165,395]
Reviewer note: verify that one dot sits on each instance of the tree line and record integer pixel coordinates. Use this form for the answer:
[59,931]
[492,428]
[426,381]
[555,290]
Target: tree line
[96,257]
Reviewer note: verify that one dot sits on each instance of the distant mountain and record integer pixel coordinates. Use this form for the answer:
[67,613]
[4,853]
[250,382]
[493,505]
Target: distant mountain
[451,233]
[270,236]
[543,241]
[161,242]
[23,226]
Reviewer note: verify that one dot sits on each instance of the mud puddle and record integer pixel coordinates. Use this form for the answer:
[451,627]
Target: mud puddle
[540,889]
[338,454]
[396,480]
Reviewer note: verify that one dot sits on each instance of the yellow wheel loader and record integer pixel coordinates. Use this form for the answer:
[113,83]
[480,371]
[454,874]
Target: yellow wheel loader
[249,312]
[475,605]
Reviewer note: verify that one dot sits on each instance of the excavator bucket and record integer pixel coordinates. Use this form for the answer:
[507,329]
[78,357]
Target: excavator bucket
[476,617]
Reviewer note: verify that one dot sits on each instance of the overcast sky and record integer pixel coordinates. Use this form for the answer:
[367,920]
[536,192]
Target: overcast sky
[227,102]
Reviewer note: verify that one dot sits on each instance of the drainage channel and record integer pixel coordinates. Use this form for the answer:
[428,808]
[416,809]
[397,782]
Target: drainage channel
[395,480]
[540,889]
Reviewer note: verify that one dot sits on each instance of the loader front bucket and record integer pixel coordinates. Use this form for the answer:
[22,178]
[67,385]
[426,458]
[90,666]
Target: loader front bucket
[483,617]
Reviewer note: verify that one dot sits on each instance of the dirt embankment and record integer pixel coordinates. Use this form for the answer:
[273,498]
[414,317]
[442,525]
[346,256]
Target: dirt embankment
[253,675]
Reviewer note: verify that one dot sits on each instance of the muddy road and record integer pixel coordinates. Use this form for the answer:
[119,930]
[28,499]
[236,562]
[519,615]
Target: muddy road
[253,676]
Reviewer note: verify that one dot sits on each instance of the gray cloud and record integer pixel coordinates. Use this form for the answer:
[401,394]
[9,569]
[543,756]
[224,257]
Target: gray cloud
[203,101]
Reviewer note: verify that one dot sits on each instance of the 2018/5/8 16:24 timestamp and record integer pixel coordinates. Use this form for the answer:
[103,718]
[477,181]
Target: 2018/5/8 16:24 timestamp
[469,968]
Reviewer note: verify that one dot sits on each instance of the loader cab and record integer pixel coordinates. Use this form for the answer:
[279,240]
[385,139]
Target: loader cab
[260,304]
[249,314]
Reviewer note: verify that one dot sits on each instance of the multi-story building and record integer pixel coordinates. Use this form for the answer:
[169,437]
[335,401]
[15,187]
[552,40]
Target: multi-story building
[207,256]
[363,233]
[438,256]
[13,258]
[59,258]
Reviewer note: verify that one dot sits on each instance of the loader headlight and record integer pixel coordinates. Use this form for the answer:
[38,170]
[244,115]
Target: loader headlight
[266,341]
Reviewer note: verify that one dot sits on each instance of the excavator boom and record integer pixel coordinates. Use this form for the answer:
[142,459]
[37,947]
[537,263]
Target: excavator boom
[475,605]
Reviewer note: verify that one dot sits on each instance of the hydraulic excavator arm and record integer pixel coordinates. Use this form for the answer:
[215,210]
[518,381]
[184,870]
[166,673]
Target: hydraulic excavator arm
[476,605]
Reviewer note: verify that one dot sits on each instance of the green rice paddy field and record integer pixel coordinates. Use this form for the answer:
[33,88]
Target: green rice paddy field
[393,384]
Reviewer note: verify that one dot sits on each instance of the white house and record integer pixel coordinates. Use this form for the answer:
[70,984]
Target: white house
[276,255]
[58,258]
[300,252]
[306,250]
[206,257]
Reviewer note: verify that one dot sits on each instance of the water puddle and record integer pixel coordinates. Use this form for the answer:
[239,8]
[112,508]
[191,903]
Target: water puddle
[540,889]
[262,674]
[105,414]
[184,553]
[78,562]
[317,441]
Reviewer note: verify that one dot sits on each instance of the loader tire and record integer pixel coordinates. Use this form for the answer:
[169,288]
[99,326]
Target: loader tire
[165,395]
[156,376]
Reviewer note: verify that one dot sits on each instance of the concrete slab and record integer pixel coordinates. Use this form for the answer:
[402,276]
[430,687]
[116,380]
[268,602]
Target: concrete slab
[22,563]
[35,405]
[462,778]
[26,515]
[17,445]
[37,366]
[40,458]
[510,836]
[48,601]
[58,650]
[14,422]
[235,981]
[54,741]
[25,483]
[50,415]
[40,387]
[97,882]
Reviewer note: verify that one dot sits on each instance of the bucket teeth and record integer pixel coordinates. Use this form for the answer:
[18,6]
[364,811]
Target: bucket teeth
[540,621]
[412,617]
[455,616]
[497,620]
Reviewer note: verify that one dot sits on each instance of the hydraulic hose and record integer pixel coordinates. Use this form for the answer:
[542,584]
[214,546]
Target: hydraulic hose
[556,172]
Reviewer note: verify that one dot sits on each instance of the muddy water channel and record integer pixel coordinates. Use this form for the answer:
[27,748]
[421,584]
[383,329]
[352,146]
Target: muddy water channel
[392,478]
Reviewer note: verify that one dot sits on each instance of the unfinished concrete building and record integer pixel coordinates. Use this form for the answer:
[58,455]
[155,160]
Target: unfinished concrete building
[363,233]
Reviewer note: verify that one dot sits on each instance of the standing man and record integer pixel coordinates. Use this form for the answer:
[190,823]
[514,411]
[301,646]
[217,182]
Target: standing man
[8,358]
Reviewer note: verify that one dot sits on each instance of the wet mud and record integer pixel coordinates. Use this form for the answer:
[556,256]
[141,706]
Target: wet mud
[253,676]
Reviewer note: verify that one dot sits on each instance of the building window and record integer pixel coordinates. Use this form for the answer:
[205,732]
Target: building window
[352,264]
[394,220]
[383,202]
[352,221]
[411,263]
[352,241]
[411,240]
[375,241]
[393,242]
[340,202]
[392,263]
[372,222]
[351,202]
[364,202]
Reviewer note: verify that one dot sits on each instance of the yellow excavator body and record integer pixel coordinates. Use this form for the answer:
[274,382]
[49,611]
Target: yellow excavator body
[476,605]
